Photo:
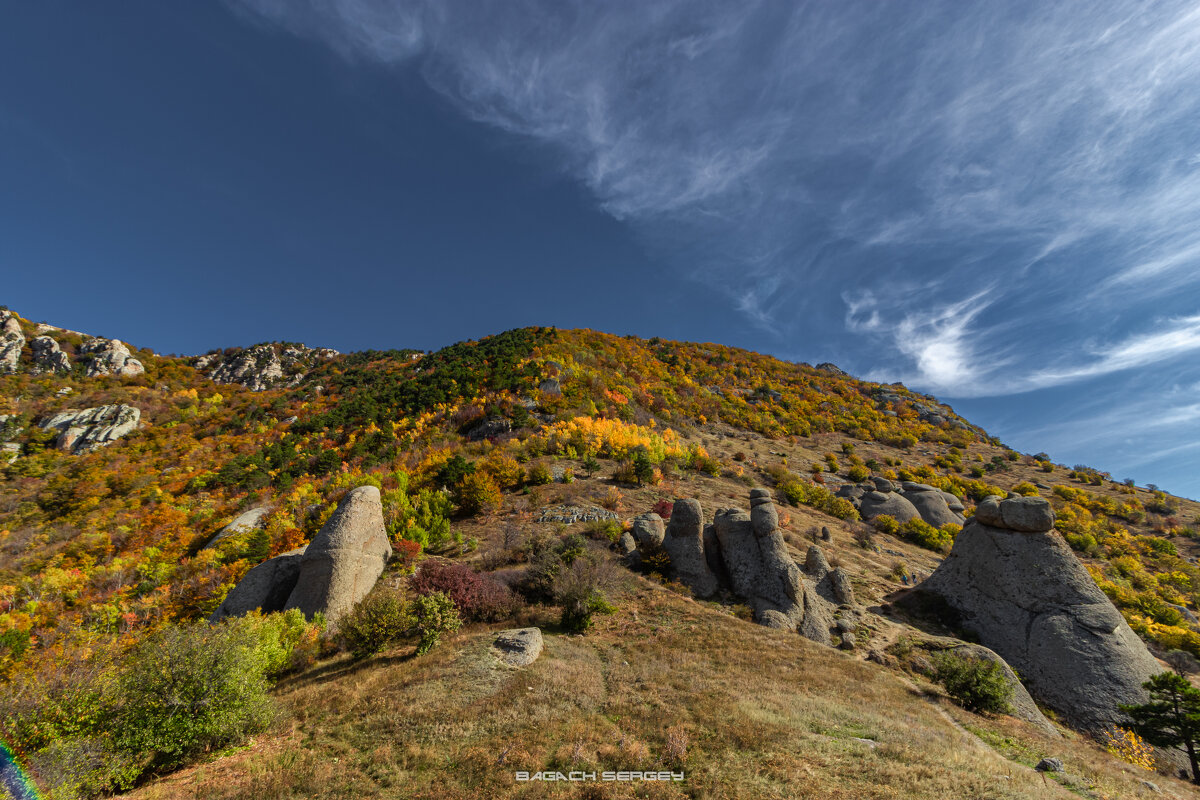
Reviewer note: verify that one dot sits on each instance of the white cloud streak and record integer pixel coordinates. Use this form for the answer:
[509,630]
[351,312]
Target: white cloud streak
[1026,156]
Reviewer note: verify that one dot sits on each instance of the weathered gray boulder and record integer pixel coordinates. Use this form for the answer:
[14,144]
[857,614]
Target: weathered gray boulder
[12,342]
[932,507]
[344,559]
[109,357]
[518,647]
[245,522]
[48,356]
[759,567]
[88,429]
[626,544]
[684,543]
[267,587]
[648,530]
[1027,597]
[953,503]
[884,485]
[891,503]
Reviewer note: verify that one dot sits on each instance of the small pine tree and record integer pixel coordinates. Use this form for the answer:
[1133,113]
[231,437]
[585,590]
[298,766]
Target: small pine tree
[1171,718]
[643,467]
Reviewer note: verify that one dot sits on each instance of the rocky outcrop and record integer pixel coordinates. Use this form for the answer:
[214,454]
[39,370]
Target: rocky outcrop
[48,356]
[344,559]
[904,502]
[931,505]
[1016,585]
[874,504]
[109,357]
[267,587]
[12,342]
[245,522]
[518,647]
[746,555]
[684,543]
[85,430]
[264,366]
[571,514]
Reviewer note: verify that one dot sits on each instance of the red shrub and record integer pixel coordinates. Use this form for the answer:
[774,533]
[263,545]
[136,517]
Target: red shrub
[406,552]
[663,508]
[478,597]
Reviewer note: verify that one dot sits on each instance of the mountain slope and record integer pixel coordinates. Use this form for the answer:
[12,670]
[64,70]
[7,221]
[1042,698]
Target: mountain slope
[99,550]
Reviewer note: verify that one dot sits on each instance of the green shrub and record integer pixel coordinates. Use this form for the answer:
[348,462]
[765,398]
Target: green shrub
[581,589]
[886,523]
[798,493]
[381,619]
[192,688]
[432,615]
[976,684]
[925,535]
[539,475]
[858,473]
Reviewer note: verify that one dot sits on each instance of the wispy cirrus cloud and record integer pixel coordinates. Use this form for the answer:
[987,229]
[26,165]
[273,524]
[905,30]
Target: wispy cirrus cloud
[968,196]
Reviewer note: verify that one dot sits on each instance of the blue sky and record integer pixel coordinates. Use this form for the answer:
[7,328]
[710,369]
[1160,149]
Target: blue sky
[992,202]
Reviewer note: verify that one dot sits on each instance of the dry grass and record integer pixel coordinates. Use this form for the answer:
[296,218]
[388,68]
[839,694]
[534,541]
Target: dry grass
[667,683]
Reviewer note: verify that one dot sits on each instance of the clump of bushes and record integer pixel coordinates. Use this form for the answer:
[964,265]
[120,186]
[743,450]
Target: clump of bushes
[183,691]
[797,492]
[569,574]
[539,475]
[386,617]
[479,598]
[925,535]
[976,684]
[477,493]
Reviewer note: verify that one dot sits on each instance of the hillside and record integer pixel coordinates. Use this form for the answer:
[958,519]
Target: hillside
[483,452]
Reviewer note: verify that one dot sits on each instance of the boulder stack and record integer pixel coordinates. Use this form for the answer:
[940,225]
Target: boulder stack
[747,555]
[904,501]
[1017,586]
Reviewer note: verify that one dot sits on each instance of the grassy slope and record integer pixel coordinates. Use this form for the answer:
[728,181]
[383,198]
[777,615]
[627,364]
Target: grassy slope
[764,714]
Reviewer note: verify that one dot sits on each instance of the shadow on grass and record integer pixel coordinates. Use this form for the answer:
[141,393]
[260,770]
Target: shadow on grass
[343,667]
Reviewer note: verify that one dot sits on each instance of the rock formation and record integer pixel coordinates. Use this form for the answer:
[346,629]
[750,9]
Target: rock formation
[327,576]
[648,530]
[874,504]
[48,356]
[267,587]
[684,543]
[344,559]
[245,522]
[746,554]
[109,357]
[82,431]
[12,342]
[263,366]
[518,647]
[1017,586]
[904,502]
